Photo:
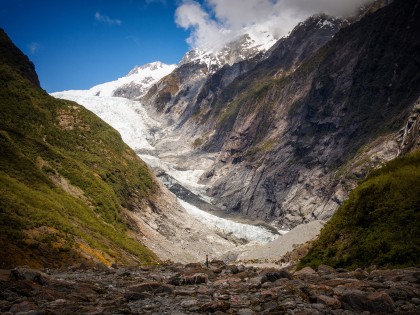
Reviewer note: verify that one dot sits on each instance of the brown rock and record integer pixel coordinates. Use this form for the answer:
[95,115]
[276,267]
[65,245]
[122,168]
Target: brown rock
[329,301]
[305,271]
[324,269]
[215,306]
[354,300]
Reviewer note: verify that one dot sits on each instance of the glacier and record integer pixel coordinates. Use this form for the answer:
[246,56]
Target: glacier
[240,230]
[140,131]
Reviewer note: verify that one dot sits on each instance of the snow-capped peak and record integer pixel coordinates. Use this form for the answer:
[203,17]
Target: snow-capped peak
[149,67]
[136,82]
[250,42]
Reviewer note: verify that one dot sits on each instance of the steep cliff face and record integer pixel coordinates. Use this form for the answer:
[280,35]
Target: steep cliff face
[293,147]
[194,97]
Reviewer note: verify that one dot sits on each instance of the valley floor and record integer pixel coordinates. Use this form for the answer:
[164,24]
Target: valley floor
[218,288]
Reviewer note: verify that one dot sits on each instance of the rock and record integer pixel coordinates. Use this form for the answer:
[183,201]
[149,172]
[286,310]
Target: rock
[24,306]
[329,301]
[152,287]
[246,311]
[379,302]
[324,269]
[354,301]
[304,272]
[215,306]
[90,292]
[134,296]
[122,272]
[195,279]
[373,302]
[189,303]
[24,273]
[271,276]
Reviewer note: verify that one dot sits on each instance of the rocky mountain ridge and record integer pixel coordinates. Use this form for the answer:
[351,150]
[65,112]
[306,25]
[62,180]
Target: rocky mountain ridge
[285,135]
[296,131]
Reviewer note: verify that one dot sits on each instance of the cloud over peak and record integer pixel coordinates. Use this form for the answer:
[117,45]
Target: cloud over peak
[106,19]
[217,22]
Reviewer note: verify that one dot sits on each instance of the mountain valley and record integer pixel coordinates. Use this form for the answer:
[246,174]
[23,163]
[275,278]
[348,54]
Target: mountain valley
[183,189]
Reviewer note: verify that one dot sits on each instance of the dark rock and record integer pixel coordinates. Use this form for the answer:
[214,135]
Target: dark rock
[24,273]
[24,306]
[152,287]
[195,279]
[215,306]
[379,302]
[373,302]
[272,276]
[354,301]
[134,296]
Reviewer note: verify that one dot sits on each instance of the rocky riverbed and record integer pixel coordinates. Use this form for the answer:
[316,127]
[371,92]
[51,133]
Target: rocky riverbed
[217,289]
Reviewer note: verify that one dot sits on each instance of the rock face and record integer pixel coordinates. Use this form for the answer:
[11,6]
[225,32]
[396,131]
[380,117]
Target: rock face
[296,129]
[301,142]
[227,290]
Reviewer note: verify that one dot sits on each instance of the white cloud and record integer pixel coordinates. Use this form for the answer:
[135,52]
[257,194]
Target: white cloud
[106,19]
[34,47]
[217,22]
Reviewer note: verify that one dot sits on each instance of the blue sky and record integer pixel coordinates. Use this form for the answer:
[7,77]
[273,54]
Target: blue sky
[76,44]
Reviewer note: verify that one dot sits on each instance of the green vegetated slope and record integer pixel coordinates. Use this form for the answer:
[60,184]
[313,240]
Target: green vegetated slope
[378,224]
[65,177]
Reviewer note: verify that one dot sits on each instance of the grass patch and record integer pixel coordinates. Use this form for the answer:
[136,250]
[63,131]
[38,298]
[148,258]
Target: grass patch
[378,224]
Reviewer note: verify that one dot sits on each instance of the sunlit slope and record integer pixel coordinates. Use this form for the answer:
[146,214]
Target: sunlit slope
[66,178]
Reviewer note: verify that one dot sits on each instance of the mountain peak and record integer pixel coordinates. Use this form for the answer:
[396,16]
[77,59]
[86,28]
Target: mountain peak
[152,66]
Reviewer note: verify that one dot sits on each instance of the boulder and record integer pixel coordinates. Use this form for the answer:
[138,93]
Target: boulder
[180,279]
[271,276]
[215,306]
[25,273]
